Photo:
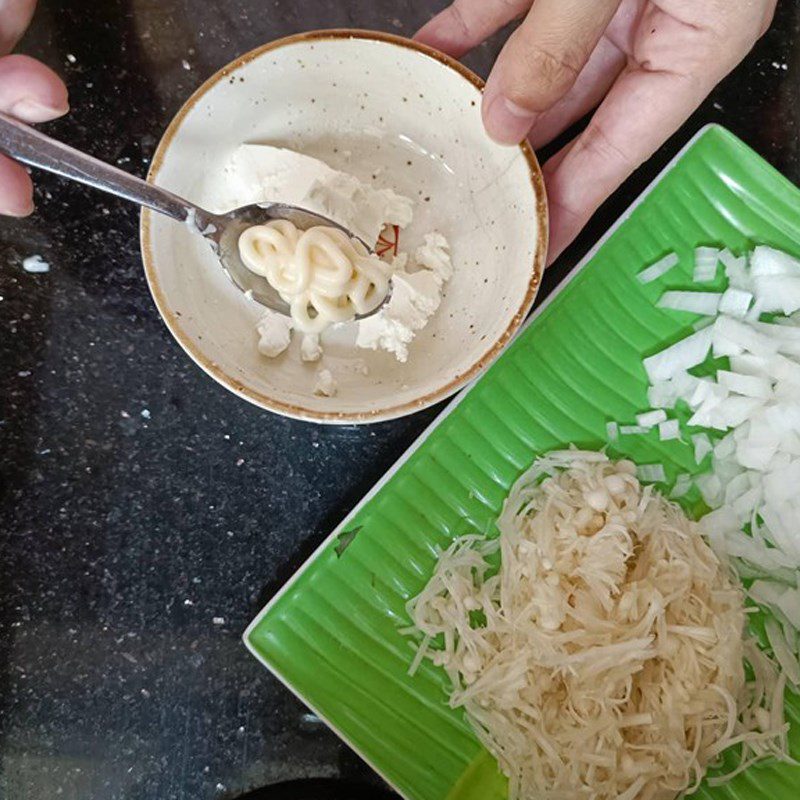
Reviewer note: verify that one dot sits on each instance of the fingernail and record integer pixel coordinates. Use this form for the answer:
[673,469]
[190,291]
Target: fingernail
[18,211]
[506,121]
[29,110]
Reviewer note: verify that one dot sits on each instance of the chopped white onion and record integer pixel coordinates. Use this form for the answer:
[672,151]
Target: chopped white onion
[706,303]
[651,473]
[767,261]
[682,485]
[659,268]
[668,430]
[778,293]
[632,430]
[747,385]
[651,418]
[681,356]
[702,446]
[705,264]
[754,477]
[735,302]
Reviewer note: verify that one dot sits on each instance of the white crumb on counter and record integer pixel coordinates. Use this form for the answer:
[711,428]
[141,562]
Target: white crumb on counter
[326,384]
[274,333]
[35,264]
[310,348]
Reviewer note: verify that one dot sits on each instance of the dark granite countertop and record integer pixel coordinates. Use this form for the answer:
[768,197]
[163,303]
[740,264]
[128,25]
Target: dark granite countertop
[146,514]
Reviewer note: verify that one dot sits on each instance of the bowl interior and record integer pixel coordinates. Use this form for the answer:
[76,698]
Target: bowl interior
[387,113]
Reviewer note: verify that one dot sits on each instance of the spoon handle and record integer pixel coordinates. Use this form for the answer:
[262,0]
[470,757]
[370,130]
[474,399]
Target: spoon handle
[25,144]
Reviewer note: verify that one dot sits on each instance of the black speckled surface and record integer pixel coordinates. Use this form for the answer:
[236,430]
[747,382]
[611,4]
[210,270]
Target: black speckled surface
[145,513]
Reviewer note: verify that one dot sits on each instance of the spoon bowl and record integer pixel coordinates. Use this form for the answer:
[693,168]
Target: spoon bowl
[224,230]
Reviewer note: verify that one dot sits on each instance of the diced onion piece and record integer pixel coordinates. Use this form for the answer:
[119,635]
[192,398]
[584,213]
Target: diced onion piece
[706,303]
[682,485]
[736,270]
[668,430]
[747,385]
[681,356]
[777,293]
[659,268]
[650,418]
[711,488]
[632,430]
[767,261]
[705,264]
[735,302]
[734,411]
[612,431]
[651,473]
[702,446]
[747,364]
[732,337]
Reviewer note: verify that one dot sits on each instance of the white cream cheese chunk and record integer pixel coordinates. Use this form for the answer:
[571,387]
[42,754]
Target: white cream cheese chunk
[274,333]
[415,298]
[259,173]
[326,384]
[360,208]
[434,254]
[310,348]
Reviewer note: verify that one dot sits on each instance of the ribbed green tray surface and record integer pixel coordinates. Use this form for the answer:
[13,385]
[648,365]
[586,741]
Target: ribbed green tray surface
[332,634]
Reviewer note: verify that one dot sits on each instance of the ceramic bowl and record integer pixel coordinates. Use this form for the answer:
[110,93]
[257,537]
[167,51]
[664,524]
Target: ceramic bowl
[389,111]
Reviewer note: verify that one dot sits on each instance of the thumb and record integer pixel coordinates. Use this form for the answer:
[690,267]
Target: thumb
[540,63]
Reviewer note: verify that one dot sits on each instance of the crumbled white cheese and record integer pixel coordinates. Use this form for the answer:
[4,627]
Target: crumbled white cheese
[274,333]
[398,209]
[310,348]
[35,264]
[383,332]
[326,384]
[260,173]
[415,297]
[434,254]
[357,206]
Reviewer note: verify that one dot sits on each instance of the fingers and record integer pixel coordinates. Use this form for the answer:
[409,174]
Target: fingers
[596,78]
[541,62]
[16,189]
[640,112]
[30,91]
[15,16]
[466,23]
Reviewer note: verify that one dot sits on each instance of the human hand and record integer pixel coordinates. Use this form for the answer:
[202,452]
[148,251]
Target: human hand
[29,91]
[647,63]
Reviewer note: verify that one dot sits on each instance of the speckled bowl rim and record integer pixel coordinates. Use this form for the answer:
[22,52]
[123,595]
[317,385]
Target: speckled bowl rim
[300,412]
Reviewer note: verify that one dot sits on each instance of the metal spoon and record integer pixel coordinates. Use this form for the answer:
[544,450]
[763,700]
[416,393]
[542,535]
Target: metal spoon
[25,144]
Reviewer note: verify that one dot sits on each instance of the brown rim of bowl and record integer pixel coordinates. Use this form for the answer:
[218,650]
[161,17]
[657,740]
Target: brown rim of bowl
[299,412]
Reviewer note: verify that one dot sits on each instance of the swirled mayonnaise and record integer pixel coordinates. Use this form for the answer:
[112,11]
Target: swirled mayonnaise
[325,276]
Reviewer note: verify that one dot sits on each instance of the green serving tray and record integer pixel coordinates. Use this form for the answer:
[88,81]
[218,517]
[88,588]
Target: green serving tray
[331,634]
